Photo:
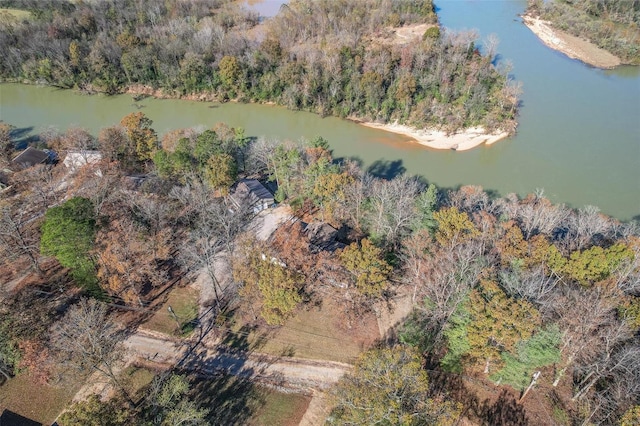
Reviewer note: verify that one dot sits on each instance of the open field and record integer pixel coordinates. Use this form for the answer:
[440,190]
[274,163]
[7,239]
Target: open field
[315,332]
[237,401]
[16,13]
[184,302]
[35,401]
[136,379]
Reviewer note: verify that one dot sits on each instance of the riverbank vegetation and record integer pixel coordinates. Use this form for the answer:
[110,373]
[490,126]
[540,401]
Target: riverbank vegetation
[499,289]
[348,59]
[610,24]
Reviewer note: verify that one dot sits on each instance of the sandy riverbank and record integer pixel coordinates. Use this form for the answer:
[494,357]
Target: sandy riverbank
[437,139]
[572,46]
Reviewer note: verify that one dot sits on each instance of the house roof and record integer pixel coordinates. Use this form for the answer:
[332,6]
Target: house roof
[30,157]
[255,188]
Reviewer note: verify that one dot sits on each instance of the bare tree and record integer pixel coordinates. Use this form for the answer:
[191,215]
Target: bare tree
[17,238]
[588,323]
[532,284]
[87,339]
[470,199]
[393,207]
[214,227]
[536,215]
[443,279]
[587,223]
[356,195]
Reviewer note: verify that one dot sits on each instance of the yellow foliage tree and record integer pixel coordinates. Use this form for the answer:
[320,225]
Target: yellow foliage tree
[138,129]
[268,282]
[390,387]
[453,226]
[221,172]
[370,271]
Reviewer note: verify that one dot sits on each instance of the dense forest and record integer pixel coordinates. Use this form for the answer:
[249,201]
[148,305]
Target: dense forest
[502,287]
[342,58]
[611,24]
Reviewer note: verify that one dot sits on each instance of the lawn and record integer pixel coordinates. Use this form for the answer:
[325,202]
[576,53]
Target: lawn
[237,401]
[136,379]
[41,403]
[16,13]
[317,332]
[184,303]
[284,409]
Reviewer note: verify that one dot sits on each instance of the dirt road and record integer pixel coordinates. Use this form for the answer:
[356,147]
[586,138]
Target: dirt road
[289,372]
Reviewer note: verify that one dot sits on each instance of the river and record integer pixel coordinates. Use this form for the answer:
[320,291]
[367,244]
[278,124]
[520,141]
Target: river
[578,136]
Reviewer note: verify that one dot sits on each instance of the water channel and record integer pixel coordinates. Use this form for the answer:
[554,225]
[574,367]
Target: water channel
[578,138]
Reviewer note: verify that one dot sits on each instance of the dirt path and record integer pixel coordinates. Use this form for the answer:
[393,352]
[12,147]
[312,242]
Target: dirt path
[390,315]
[318,410]
[291,372]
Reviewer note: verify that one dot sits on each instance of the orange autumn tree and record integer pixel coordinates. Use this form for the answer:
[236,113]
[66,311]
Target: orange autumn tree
[128,260]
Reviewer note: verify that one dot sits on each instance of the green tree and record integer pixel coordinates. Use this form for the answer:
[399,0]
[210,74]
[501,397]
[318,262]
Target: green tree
[369,269]
[631,417]
[426,204]
[538,351]
[138,129]
[94,412]
[68,234]
[229,70]
[6,144]
[390,387]
[488,324]
[9,353]
[168,403]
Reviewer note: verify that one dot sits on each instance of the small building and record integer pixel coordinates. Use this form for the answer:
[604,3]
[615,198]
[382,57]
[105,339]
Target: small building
[31,157]
[253,193]
[76,159]
[9,418]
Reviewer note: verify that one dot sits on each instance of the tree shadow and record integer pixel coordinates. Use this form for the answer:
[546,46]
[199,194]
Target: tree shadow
[246,339]
[226,381]
[232,400]
[22,137]
[504,411]
[386,169]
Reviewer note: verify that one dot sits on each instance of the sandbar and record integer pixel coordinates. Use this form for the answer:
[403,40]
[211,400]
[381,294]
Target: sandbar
[572,46]
[437,139]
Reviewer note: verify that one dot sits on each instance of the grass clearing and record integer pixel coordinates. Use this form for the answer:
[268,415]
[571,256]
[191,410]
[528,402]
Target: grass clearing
[238,401]
[16,13]
[41,403]
[184,303]
[317,332]
[136,379]
[284,409]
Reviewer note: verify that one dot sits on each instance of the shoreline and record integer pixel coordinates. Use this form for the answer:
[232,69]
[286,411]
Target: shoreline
[463,140]
[570,45]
